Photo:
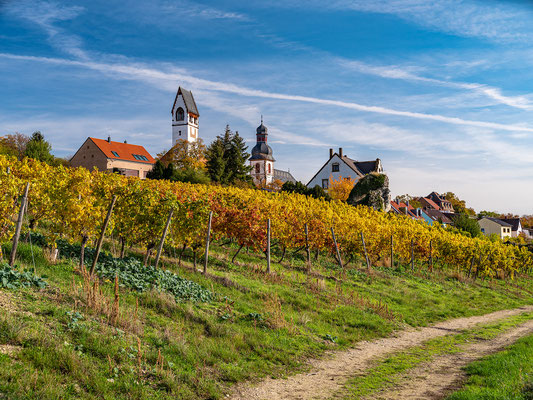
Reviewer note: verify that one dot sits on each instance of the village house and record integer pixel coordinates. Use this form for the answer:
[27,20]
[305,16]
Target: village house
[108,156]
[340,165]
[516,226]
[496,226]
[444,205]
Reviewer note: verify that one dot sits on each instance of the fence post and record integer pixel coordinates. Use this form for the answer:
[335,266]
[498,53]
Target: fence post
[19,225]
[364,249]
[336,248]
[101,239]
[412,255]
[207,241]
[392,251]
[163,236]
[307,250]
[431,255]
[268,246]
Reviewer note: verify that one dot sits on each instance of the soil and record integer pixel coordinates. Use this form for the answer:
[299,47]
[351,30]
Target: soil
[328,375]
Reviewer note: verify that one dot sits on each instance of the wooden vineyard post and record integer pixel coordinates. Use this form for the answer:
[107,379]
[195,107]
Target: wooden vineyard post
[19,226]
[471,266]
[392,251]
[364,250]
[412,255]
[163,236]
[207,241]
[268,246]
[101,239]
[431,255]
[307,250]
[336,247]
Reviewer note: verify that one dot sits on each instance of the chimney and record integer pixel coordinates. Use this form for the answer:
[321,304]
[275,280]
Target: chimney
[109,139]
[330,153]
[340,152]
[125,141]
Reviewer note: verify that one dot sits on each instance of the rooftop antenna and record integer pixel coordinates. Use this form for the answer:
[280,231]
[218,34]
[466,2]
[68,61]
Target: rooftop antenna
[261,119]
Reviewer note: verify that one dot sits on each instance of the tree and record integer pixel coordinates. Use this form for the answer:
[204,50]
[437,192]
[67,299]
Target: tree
[226,159]
[466,224]
[340,189]
[38,148]
[14,145]
[185,154]
[371,190]
[459,206]
[317,192]
[412,200]
[491,214]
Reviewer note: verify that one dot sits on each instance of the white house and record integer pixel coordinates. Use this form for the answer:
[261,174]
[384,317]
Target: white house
[339,165]
[516,229]
[185,117]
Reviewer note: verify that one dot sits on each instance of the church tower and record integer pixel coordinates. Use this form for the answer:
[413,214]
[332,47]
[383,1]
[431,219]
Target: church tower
[262,161]
[184,117]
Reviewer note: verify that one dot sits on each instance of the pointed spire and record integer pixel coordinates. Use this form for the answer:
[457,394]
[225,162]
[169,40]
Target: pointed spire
[261,119]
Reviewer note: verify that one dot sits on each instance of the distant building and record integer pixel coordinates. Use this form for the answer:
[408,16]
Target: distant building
[262,161]
[445,206]
[106,155]
[339,165]
[516,225]
[496,226]
[185,117]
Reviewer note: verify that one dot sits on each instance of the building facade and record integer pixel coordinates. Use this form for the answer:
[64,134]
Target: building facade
[185,117]
[496,226]
[339,165]
[108,156]
[262,161]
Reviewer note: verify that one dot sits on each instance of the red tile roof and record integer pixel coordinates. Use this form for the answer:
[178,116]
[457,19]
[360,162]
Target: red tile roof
[125,151]
[432,203]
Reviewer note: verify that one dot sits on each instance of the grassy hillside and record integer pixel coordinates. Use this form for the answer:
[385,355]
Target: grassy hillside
[78,339]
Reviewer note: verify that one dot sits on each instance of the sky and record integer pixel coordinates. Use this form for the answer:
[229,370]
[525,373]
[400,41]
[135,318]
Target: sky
[441,91]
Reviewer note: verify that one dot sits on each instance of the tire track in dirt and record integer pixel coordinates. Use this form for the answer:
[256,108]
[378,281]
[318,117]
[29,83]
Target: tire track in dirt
[329,374]
[444,374]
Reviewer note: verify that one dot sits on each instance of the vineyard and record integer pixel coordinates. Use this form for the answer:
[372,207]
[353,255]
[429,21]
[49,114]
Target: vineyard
[71,204]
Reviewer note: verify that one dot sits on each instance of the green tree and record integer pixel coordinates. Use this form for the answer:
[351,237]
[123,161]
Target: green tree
[317,192]
[226,159]
[464,223]
[491,214]
[459,206]
[157,171]
[38,148]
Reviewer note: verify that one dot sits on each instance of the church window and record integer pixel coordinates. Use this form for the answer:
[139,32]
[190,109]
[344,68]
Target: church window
[269,168]
[180,114]
[180,133]
[325,183]
[115,153]
[257,168]
[335,167]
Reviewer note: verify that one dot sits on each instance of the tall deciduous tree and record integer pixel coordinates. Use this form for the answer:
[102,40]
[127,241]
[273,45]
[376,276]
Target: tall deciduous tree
[184,154]
[14,144]
[340,189]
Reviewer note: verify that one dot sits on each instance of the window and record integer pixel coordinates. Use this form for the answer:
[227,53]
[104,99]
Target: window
[325,183]
[180,133]
[257,168]
[482,230]
[335,167]
[180,114]
[269,168]
[139,157]
[115,153]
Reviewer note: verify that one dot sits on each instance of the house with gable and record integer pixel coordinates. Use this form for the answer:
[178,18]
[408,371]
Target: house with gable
[516,226]
[496,226]
[340,165]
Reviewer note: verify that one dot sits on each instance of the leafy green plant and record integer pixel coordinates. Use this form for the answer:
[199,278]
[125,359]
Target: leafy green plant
[11,278]
[74,318]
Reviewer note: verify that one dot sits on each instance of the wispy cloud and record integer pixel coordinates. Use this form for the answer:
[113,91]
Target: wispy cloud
[502,21]
[407,74]
[46,15]
[169,79]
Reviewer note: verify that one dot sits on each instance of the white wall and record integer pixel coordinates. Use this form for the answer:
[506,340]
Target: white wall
[344,170]
[263,168]
[189,130]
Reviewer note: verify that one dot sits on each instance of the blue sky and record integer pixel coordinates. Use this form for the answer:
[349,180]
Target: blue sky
[441,91]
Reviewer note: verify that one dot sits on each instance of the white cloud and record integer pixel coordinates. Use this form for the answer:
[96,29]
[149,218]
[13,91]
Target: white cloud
[169,79]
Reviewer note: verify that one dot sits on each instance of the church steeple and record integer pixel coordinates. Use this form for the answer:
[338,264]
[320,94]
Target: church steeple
[262,160]
[185,117]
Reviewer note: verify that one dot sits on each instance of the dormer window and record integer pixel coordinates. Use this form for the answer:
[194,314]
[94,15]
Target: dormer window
[180,114]
[335,167]
[115,153]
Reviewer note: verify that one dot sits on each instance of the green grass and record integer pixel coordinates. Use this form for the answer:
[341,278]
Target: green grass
[258,325]
[501,376]
[389,371]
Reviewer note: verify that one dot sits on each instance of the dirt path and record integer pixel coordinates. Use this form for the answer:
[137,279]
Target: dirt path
[439,377]
[328,375]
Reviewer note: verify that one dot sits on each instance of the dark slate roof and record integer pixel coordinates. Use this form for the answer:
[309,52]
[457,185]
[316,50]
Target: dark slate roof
[284,176]
[262,151]
[262,129]
[500,222]
[437,215]
[361,167]
[188,98]
[514,222]
[189,101]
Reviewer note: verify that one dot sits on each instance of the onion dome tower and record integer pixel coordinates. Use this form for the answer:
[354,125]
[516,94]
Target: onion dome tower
[262,160]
